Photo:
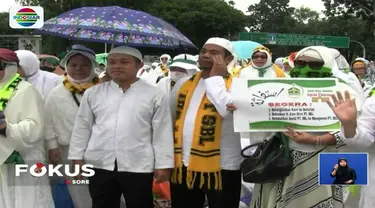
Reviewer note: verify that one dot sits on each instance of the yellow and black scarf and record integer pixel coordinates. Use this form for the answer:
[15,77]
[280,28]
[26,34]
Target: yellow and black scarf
[164,69]
[79,88]
[205,150]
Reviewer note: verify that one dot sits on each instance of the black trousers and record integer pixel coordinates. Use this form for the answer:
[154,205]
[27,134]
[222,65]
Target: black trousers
[106,188]
[228,197]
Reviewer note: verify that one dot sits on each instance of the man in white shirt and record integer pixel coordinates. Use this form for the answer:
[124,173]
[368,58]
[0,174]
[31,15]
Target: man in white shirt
[207,151]
[124,128]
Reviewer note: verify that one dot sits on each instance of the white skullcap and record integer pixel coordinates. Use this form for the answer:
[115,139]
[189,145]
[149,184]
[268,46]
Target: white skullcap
[185,61]
[221,42]
[128,51]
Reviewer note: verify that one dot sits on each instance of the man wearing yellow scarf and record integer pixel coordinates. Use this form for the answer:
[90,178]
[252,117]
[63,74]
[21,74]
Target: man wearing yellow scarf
[207,151]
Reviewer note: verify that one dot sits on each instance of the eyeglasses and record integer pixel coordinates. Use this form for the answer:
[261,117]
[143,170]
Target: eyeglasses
[164,58]
[315,65]
[259,57]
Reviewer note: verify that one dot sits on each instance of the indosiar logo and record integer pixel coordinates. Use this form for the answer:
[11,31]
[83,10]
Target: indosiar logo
[30,17]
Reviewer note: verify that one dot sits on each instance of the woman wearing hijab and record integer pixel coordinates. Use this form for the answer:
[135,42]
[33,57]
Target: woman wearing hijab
[21,138]
[261,65]
[314,62]
[310,62]
[343,173]
[364,73]
[41,80]
[62,106]
[160,71]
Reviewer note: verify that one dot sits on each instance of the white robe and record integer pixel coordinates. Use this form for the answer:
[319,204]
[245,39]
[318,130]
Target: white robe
[153,75]
[43,81]
[25,119]
[165,85]
[61,111]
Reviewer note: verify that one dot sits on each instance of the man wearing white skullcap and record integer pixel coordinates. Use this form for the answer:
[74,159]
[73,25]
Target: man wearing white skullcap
[21,138]
[207,151]
[183,65]
[124,129]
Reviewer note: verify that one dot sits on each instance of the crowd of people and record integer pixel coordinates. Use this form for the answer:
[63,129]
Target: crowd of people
[171,122]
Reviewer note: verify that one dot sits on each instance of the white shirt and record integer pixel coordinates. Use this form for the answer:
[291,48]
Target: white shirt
[230,144]
[365,132]
[61,111]
[133,127]
[363,141]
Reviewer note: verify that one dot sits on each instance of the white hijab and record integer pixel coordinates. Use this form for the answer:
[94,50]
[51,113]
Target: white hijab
[41,80]
[90,56]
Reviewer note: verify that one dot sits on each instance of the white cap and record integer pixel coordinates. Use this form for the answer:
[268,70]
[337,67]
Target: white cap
[223,43]
[128,51]
[185,61]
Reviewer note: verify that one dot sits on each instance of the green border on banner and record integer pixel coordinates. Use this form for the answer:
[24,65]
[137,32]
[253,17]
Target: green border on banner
[302,83]
[282,125]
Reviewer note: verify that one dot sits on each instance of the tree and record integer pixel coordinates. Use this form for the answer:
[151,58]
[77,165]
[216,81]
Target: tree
[201,19]
[360,8]
[196,19]
[305,14]
[231,3]
[271,16]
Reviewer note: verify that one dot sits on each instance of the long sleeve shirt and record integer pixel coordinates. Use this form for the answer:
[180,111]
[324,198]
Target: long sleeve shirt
[24,115]
[61,111]
[365,132]
[230,143]
[133,128]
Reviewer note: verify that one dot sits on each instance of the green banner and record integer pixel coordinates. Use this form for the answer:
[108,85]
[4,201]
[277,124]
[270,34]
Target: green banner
[296,39]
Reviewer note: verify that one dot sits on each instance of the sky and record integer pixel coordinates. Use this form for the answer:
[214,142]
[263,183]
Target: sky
[242,5]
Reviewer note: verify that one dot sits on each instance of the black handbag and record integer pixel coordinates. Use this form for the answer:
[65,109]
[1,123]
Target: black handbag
[271,160]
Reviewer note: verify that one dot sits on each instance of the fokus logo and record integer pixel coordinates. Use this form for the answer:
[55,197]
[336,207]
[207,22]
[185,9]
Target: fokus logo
[40,169]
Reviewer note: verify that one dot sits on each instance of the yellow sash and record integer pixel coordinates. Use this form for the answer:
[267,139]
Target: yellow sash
[205,150]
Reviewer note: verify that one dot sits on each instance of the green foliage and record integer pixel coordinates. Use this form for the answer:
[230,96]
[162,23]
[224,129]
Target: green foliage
[197,19]
[359,8]
[202,19]
[271,16]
